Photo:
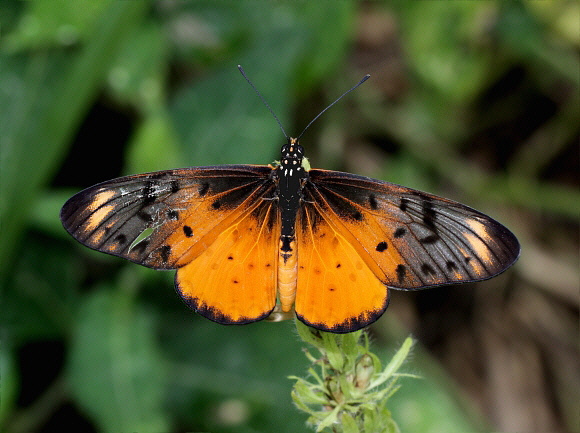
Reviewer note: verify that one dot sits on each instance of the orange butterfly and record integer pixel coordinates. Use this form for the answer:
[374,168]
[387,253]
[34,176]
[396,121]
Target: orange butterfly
[330,244]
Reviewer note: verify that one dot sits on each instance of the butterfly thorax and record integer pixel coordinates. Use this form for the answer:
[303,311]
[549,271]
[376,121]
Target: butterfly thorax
[291,176]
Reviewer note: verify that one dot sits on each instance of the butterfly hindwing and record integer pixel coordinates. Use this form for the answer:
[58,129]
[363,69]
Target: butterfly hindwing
[337,291]
[234,279]
[165,219]
[412,239]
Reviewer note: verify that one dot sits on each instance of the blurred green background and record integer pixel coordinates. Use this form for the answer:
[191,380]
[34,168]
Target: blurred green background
[475,101]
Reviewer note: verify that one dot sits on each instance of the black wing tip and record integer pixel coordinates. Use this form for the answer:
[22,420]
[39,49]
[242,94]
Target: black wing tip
[69,208]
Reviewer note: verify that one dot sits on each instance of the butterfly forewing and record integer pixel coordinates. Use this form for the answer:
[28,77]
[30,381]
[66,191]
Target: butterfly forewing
[411,239]
[165,219]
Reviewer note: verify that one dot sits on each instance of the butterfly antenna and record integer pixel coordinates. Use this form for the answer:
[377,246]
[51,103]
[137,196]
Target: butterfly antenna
[263,100]
[366,77]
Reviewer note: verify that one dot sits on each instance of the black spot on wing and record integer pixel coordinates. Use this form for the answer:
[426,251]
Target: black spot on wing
[145,216]
[401,272]
[451,266]
[428,213]
[404,204]
[400,232]
[141,247]
[381,246]
[187,231]
[172,214]
[373,202]
[357,216]
[216,204]
[165,252]
[175,186]
[427,269]
[431,239]
[203,189]
[121,239]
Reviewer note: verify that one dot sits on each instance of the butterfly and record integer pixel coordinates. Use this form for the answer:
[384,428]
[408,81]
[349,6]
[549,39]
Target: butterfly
[329,245]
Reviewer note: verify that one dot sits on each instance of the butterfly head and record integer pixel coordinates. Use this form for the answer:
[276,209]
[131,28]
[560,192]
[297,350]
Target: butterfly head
[292,157]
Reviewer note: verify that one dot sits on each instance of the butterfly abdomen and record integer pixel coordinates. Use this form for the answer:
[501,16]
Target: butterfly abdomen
[287,272]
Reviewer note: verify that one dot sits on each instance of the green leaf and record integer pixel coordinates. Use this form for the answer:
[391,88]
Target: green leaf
[115,370]
[298,399]
[330,419]
[348,423]
[350,345]
[370,419]
[333,351]
[394,364]
[309,335]
[306,394]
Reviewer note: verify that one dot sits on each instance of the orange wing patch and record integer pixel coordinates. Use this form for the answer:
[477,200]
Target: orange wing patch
[336,290]
[234,279]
